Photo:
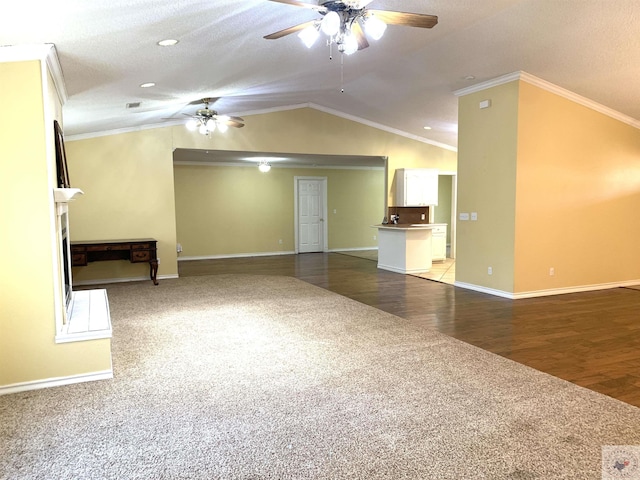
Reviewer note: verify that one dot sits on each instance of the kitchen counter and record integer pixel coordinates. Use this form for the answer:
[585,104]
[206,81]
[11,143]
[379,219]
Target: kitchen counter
[407,226]
[405,248]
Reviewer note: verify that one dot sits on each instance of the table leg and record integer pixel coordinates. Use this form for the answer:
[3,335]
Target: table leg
[153,270]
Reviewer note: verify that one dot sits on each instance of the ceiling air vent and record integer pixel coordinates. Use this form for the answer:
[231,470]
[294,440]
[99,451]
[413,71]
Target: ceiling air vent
[133,105]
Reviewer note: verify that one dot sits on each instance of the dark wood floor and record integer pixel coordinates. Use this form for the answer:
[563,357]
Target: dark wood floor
[591,339]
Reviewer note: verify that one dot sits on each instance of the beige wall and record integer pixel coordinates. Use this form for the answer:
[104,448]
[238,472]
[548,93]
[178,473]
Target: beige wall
[307,130]
[29,278]
[129,184]
[127,181]
[487,157]
[224,210]
[578,195]
[555,184]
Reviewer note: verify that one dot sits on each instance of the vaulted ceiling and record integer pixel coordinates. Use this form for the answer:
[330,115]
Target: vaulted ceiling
[402,82]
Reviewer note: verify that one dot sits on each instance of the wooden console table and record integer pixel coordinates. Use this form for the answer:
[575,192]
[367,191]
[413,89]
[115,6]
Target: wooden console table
[138,250]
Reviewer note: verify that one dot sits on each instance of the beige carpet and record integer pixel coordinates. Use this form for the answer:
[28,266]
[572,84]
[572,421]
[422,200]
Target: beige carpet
[258,377]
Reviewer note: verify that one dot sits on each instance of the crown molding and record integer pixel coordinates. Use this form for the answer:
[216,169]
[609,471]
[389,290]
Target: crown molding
[320,108]
[379,126]
[552,88]
[43,52]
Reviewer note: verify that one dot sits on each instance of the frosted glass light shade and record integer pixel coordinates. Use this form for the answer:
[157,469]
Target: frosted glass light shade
[350,43]
[264,167]
[192,125]
[330,24]
[375,27]
[309,35]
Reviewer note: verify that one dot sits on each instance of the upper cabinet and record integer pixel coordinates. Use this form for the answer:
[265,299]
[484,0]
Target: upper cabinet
[416,187]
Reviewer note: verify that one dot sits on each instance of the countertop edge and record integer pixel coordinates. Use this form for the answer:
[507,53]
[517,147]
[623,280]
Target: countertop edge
[426,226]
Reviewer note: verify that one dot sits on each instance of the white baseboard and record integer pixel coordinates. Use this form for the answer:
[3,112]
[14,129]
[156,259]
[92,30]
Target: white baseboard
[55,382]
[546,293]
[359,249]
[102,281]
[234,255]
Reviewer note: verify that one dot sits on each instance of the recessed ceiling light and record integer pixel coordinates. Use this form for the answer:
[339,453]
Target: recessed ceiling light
[469,77]
[169,42]
[147,85]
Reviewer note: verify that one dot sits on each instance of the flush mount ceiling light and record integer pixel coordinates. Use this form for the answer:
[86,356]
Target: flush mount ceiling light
[169,42]
[147,85]
[264,166]
[206,121]
[345,23]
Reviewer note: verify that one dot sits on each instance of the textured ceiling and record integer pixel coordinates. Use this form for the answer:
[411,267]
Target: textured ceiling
[404,81]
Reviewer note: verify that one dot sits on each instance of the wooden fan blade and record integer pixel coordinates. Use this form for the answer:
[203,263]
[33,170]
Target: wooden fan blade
[235,124]
[407,19]
[236,119]
[296,3]
[200,101]
[356,29]
[287,31]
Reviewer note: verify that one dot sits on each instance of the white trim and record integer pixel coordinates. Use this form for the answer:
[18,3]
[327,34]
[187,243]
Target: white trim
[357,249]
[410,271]
[381,127]
[123,280]
[56,382]
[233,255]
[117,131]
[84,136]
[546,293]
[44,52]
[276,165]
[550,87]
[478,288]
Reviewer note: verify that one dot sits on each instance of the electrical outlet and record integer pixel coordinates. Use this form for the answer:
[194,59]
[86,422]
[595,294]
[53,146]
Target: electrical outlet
[375,238]
[490,270]
[552,271]
[280,241]
[158,260]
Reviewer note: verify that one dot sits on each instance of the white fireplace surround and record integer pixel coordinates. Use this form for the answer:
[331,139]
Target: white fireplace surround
[86,316]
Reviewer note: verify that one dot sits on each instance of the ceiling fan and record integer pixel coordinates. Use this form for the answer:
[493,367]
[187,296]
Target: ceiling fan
[206,120]
[346,21]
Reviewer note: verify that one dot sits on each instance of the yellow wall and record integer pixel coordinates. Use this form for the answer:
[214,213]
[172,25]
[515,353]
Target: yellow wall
[127,181]
[28,276]
[307,130]
[223,210]
[487,157]
[129,184]
[555,184]
[578,194]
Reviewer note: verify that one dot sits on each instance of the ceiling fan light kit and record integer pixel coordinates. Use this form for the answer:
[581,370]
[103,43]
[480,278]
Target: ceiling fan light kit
[206,121]
[346,21]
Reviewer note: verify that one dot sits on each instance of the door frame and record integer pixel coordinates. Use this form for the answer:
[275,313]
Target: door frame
[296,200]
[454,208]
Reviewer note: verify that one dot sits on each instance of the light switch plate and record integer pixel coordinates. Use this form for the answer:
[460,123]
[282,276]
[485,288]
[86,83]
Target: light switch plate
[474,215]
[464,216]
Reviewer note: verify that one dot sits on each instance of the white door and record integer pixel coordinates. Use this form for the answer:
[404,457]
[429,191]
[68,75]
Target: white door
[310,215]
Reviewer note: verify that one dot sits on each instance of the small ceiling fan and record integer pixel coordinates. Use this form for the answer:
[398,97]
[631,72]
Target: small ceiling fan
[346,21]
[206,120]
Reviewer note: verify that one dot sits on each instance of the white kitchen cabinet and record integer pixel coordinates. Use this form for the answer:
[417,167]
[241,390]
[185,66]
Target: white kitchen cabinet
[439,242]
[416,187]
